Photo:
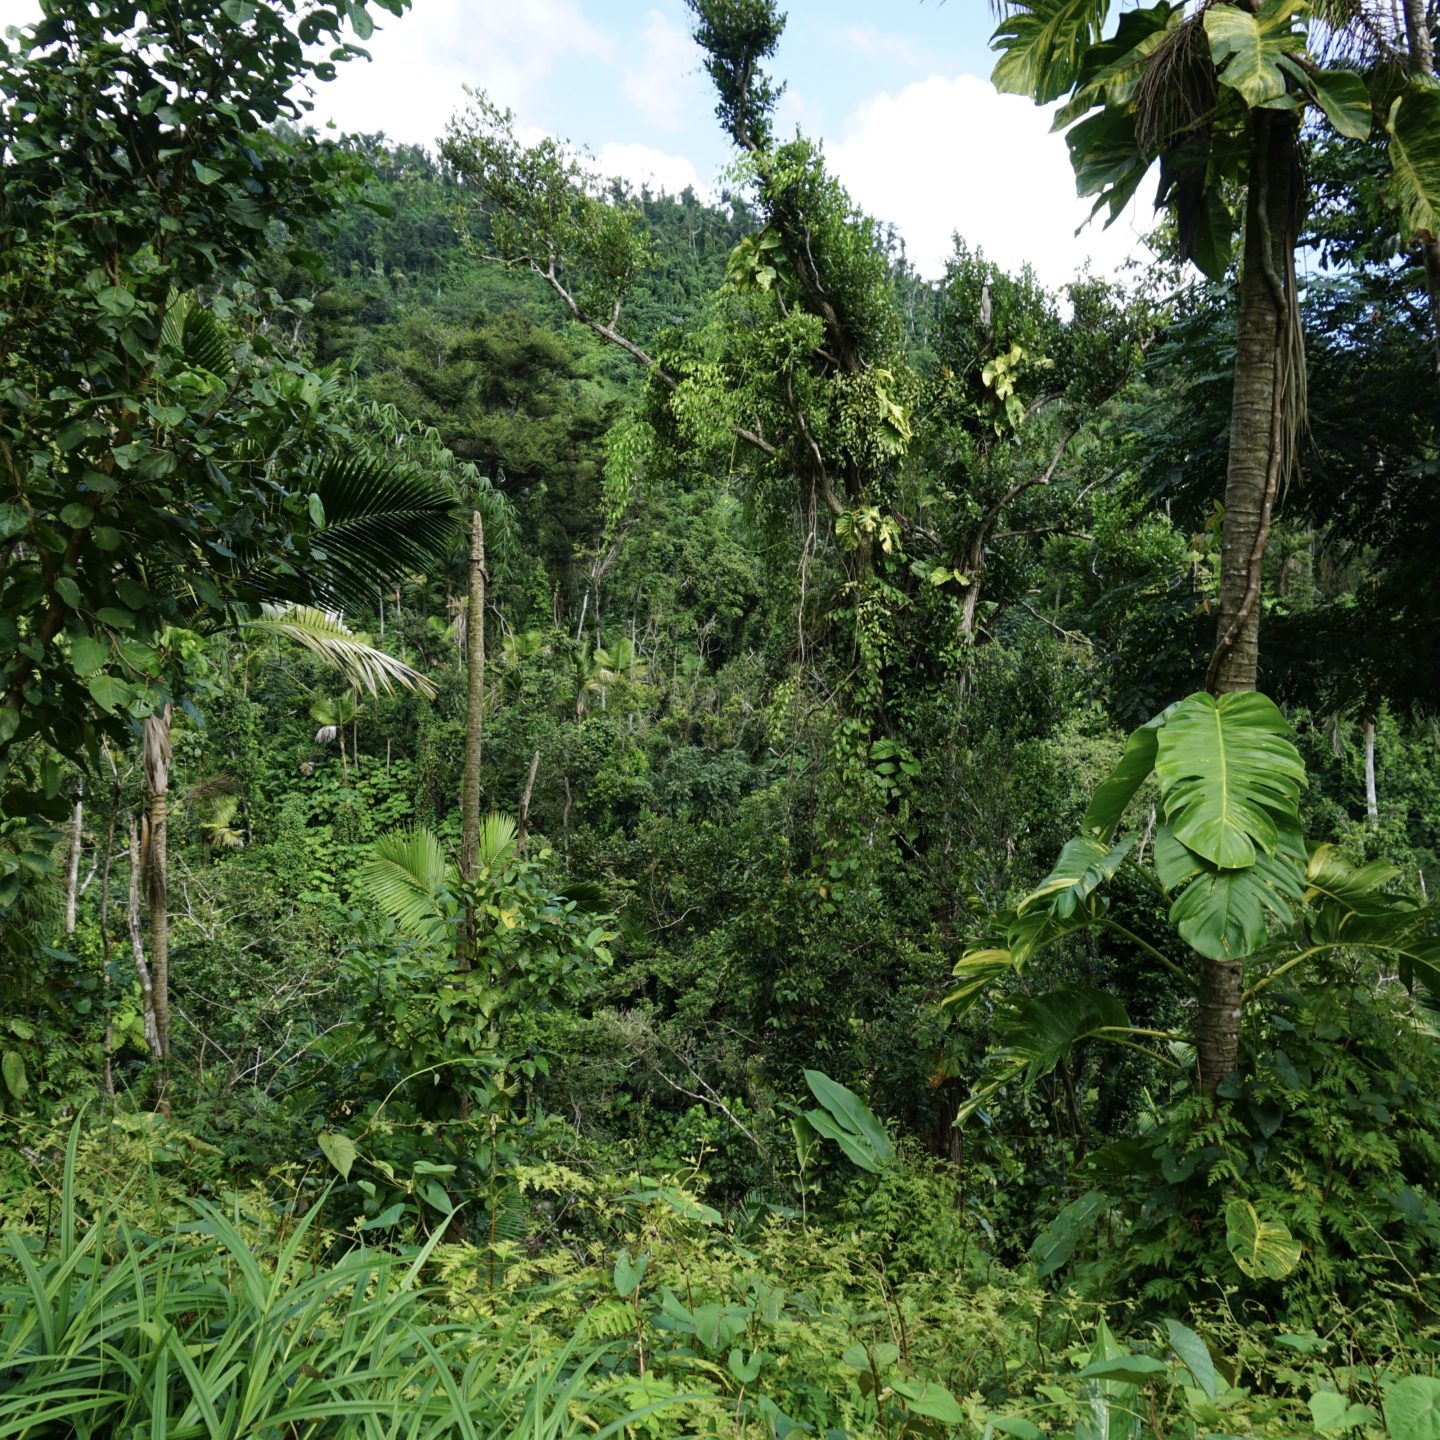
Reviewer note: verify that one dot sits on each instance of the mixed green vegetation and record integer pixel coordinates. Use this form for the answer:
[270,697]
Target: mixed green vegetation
[619,816]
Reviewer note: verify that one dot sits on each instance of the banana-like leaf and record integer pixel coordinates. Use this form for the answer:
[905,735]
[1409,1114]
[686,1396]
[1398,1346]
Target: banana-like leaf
[1113,1401]
[1084,865]
[331,640]
[409,878]
[1247,48]
[1414,128]
[1229,773]
[1043,45]
[850,1123]
[1263,1249]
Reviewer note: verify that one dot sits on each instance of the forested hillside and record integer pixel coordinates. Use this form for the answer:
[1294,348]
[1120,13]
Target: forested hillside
[622,816]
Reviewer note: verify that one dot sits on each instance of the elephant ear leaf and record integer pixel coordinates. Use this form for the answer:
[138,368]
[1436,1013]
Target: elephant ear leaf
[1229,775]
[1263,1249]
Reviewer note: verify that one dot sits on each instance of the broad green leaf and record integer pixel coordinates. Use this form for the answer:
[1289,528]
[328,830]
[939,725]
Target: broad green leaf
[977,970]
[1130,1368]
[1084,865]
[386,1218]
[1196,1355]
[628,1273]
[1263,1249]
[1214,236]
[1333,1412]
[87,655]
[1414,127]
[1030,933]
[1105,155]
[1055,1244]
[932,1400]
[1222,914]
[848,1121]
[12,1067]
[110,692]
[1042,44]
[1345,99]
[1112,1397]
[339,1150]
[1247,48]
[1412,1408]
[1227,770]
[1016,1425]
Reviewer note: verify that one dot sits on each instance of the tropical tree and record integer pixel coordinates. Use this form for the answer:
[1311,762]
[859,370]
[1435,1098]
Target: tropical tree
[1228,857]
[1217,94]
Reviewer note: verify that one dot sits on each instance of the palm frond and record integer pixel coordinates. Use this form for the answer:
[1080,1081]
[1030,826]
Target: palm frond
[498,835]
[409,878]
[331,640]
[382,521]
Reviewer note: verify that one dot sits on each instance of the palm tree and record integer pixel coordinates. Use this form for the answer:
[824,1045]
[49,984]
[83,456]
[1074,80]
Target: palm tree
[1216,93]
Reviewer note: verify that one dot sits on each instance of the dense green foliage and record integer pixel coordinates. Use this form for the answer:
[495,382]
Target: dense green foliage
[814,1045]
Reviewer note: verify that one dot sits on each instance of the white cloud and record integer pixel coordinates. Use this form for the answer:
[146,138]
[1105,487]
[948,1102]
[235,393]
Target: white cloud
[644,165]
[663,82]
[948,155]
[423,60]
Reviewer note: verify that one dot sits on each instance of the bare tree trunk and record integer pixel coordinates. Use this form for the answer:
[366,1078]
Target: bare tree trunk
[72,872]
[137,946]
[474,723]
[107,1074]
[157,756]
[1267,410]
[523,828]
[1372,799]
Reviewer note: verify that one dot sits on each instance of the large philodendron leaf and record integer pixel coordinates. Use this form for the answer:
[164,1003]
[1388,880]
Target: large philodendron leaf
[1414,127]
[1228,774]
[977,970]
[1263,1249]
[1248,48]
[1042,45]
[1084,865]
[1222,914]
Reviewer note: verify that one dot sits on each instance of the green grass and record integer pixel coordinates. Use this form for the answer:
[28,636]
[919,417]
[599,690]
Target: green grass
[108,1332]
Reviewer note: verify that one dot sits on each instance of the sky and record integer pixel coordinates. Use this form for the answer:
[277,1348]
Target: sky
[896,90]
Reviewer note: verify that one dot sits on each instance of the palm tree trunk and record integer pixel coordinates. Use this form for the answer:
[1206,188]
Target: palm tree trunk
[157,755]
[474,722]
[1266,412]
